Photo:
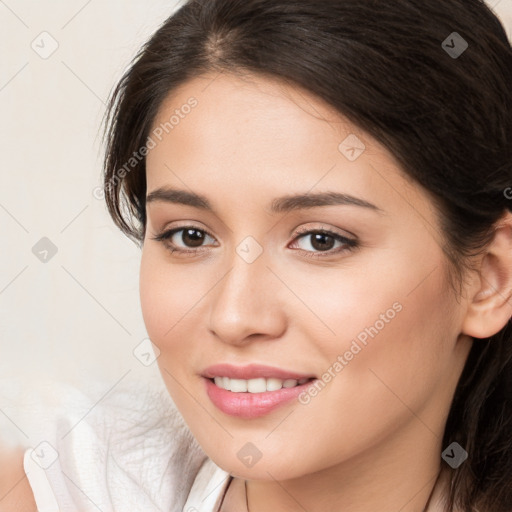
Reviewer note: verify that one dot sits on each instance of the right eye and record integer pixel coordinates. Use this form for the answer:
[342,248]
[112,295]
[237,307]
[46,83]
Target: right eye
[190,235]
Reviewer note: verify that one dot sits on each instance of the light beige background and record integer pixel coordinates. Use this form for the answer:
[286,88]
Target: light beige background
[76,317]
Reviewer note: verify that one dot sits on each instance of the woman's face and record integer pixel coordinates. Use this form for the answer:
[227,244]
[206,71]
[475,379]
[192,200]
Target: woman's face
[254,280]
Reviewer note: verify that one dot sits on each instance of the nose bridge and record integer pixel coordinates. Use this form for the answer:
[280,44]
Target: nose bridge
[245,301]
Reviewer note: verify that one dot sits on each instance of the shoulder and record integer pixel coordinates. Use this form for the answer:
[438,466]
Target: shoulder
[15,492]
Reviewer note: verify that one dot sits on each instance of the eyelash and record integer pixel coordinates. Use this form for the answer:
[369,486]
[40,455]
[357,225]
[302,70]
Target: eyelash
[350,244]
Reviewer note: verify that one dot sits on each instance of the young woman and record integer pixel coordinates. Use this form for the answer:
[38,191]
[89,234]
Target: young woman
[322,192]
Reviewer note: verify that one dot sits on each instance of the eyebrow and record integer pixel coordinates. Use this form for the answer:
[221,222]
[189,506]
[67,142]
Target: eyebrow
[279,205]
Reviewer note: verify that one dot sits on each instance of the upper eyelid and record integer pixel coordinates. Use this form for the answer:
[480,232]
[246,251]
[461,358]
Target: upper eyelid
[334,231]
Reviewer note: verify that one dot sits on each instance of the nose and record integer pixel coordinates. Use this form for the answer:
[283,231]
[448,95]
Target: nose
[247,304]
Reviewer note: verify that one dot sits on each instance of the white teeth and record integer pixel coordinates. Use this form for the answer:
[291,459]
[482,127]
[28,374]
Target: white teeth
[256,385]
[274,384]
[259,385]
[238,385]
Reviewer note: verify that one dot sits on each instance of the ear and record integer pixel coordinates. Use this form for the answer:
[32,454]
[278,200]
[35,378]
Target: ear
[490,301]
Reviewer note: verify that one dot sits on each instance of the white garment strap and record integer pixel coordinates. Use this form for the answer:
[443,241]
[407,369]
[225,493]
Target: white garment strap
[43,492]
[207,489]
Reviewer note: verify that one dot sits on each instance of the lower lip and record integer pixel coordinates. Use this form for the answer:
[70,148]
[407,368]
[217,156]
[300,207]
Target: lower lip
[252,405]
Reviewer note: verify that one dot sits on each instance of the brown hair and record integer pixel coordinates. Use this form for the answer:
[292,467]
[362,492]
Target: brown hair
[400,71]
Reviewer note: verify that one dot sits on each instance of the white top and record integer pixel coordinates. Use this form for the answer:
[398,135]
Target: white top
[128,451]
[205,495]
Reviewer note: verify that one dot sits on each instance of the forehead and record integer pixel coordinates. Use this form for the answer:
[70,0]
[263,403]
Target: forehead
[262,136]
[245,114]
[250,120]
[246,92]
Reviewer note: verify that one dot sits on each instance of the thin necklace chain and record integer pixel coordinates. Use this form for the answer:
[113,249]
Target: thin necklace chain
[424,510]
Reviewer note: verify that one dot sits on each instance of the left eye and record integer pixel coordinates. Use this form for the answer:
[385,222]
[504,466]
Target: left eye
[321,240]
[193,238]
[318,242]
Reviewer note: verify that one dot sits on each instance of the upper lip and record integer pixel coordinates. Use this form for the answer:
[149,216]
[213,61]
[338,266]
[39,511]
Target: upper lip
[251,371]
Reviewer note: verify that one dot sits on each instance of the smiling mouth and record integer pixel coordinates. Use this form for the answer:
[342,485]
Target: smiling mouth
[256,397]
[257,385]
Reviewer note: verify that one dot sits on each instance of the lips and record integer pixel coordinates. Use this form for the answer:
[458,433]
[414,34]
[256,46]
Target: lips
[252,371]
[252,405]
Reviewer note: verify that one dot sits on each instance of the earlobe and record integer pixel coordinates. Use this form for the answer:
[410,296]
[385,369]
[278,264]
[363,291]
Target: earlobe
[490,308]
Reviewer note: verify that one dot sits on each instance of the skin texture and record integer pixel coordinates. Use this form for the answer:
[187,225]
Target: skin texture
[15,491]
[371,439]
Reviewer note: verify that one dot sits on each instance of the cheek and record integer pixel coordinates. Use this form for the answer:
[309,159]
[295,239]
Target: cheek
[163,309]
[399,340]
[170,297]
[350,300]
[396,318]
[391,364]
[150,295]
[157,303]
